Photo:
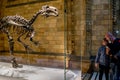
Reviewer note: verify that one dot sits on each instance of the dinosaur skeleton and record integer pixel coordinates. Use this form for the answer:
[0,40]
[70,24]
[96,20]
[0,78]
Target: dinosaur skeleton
[22,26]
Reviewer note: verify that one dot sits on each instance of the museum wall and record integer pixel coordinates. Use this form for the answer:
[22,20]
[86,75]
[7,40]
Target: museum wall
[102,22]
[49,33]
[75,31]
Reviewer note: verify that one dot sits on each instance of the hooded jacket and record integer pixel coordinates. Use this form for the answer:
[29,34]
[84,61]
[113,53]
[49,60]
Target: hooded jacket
[101,57]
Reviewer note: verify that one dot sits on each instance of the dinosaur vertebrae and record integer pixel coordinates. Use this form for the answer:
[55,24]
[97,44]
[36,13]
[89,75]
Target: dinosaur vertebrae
[18,19]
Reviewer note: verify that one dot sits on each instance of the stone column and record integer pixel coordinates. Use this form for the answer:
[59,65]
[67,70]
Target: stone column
[76,31]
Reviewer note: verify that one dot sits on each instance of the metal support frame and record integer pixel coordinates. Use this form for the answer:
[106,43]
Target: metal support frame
[65,37]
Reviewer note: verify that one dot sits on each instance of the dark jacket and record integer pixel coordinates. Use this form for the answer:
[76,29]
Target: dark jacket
[115,50]
[115,46]
[101,57]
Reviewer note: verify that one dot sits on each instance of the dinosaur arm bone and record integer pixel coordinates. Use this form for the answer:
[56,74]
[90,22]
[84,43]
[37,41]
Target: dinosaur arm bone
[14,23]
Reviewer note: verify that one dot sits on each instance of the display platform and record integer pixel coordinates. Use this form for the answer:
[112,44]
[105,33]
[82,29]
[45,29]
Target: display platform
[36,73]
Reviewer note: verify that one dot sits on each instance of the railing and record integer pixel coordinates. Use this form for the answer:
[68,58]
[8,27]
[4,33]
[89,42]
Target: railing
[92,73]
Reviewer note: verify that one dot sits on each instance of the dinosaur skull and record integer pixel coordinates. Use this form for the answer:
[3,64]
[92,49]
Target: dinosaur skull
[49,11]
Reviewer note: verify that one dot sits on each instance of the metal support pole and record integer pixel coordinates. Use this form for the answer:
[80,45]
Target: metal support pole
[65,36]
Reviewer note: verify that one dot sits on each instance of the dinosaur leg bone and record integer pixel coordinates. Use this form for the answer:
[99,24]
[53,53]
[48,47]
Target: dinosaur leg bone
[35,42]
[25,45]
[11,49]
[31,39]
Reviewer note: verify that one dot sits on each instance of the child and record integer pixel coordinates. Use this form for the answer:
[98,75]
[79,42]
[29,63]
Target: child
[102,60]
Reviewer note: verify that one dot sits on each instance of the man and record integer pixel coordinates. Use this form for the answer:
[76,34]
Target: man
[114,45]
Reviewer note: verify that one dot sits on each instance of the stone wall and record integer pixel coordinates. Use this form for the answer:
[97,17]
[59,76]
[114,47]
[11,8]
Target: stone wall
[75,31]
[35,59]
[102,22]
[76,27]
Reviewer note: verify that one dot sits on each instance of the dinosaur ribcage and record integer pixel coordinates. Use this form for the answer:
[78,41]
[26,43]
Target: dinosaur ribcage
[6,26]
[18,30]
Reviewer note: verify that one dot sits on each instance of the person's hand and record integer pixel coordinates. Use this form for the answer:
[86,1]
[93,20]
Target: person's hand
[107,50]
[96,65]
